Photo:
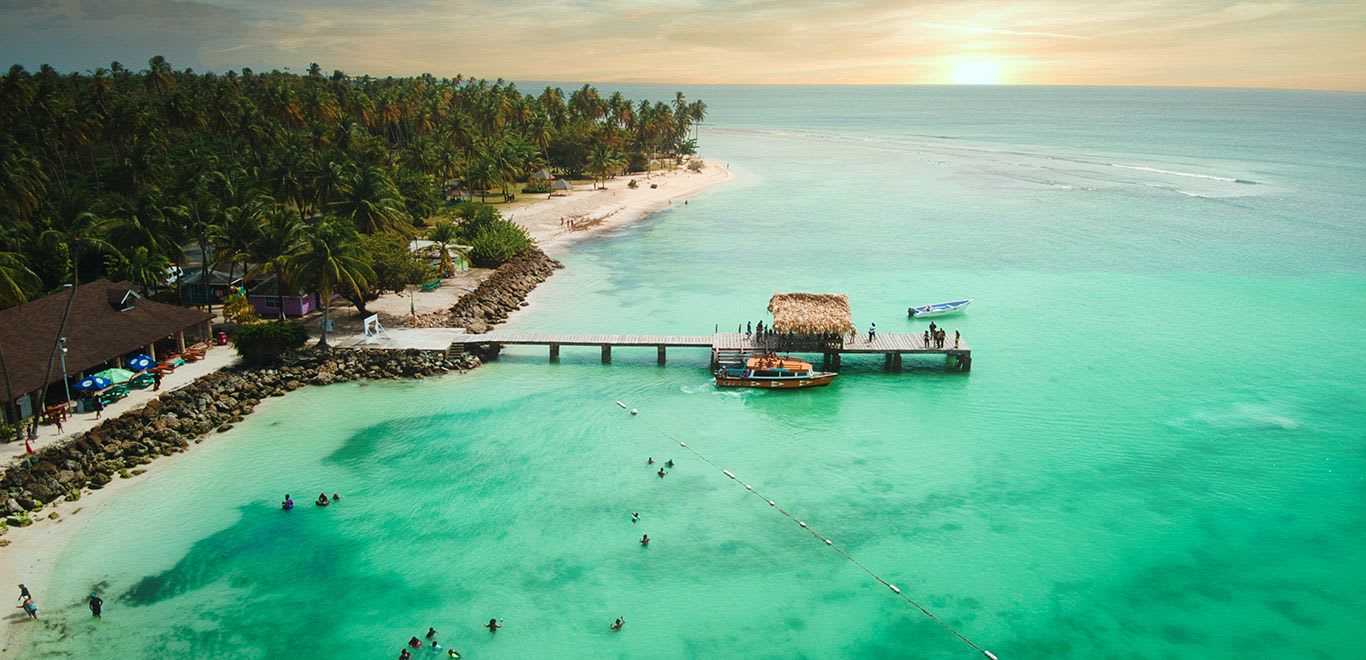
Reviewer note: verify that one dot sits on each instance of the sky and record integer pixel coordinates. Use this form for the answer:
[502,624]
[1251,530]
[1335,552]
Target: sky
[1278,44]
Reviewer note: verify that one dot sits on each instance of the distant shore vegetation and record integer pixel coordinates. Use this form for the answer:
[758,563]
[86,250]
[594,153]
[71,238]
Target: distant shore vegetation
[314,179]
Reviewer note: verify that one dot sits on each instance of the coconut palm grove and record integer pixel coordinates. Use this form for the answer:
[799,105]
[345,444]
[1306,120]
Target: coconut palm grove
[318,179]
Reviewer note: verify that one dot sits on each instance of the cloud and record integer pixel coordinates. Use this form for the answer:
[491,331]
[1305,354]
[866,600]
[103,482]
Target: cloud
[982,30]
[1152,42]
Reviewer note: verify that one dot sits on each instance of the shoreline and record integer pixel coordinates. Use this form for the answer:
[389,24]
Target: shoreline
[31,553]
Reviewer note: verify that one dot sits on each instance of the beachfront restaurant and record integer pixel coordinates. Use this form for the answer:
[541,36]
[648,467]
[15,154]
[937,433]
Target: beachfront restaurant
[109,325]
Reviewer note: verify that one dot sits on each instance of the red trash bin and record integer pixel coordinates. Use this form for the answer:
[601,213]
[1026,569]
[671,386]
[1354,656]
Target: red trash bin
[221,338]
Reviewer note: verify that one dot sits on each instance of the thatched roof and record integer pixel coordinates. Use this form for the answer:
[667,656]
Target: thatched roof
[811,313]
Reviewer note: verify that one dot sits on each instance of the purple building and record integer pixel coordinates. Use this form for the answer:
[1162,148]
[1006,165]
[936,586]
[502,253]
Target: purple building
[265,299]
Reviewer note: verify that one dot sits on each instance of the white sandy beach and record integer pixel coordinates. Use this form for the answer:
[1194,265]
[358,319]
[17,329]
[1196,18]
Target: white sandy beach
[30,554]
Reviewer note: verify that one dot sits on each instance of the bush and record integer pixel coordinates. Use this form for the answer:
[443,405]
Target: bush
[695,165]
[237,309]
[497,242]
[632,184]
[262,343]
[536,187]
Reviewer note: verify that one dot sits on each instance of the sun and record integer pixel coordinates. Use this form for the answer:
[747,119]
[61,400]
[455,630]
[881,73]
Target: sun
[975,73]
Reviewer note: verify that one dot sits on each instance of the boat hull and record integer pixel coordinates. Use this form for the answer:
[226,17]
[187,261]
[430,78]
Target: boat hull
[815,380]
[939,309]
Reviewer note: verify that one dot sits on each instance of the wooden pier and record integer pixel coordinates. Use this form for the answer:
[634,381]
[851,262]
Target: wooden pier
[724,344]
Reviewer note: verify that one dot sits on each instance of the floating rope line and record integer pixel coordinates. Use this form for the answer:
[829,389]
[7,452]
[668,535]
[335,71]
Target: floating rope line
[748,488]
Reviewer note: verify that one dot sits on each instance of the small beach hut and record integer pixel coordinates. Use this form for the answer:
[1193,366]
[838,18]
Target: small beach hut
[810,321]
[561,188]
[542,174]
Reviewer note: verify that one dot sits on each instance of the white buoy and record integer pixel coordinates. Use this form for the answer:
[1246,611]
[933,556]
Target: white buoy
[989,654]
[634,411]
[827,542]
[728,474]
[802,524]
[893,588]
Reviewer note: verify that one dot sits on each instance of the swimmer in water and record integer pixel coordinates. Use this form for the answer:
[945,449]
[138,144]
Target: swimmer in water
[616,625]
[493,625]
[645,540]
[96,605]
[405,655]
[431,633]
[650,460]
[287,504]
[322,500]
[635,517]
[435,647]
[669,463]
[661,473]
[335,497]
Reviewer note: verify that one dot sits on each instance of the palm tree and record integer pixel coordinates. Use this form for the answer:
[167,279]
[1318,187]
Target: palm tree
[281,237]
[16,279]
[444,234]
[240,229]
[141,266]
[371,201]
[330,259]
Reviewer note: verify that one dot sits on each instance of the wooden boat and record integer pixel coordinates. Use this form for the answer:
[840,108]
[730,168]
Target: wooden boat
[772,372]
[938,309]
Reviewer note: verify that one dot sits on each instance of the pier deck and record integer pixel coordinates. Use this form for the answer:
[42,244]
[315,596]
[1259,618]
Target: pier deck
[892,345]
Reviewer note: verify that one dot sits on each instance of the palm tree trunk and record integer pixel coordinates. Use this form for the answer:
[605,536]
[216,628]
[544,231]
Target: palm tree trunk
[326,295]
[280,289]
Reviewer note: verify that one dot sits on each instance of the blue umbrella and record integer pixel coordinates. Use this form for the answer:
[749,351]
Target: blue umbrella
[91,384]
[140,363]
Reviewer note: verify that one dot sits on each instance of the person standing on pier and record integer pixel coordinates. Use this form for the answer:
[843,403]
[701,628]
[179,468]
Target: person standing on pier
[956,337]
[749,329]
[872,331]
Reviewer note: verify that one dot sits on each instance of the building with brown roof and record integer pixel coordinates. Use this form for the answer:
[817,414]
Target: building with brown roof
[108,321]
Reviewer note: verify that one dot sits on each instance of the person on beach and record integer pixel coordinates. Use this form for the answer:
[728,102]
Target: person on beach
[431,633]
[99,406]
[96,604]
[645,540]
[661,473]
[616,625]
[322,500]
[414,643]
[23,593]
[635,517]
[30,608]
[287,504]
[493,625]
[156,381]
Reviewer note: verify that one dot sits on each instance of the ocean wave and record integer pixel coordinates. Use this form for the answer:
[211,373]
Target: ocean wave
[1192,175]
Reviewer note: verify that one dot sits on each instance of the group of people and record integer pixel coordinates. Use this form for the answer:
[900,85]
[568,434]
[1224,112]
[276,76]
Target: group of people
[755,331]
[415,644]
[322,500]
[936,336]
[30,608]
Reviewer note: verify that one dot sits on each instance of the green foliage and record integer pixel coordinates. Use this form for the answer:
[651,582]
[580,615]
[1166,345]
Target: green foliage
[263,343]
[237,309]
[94,166]
[536,187]
[394,265]
[497,242]
[632,184]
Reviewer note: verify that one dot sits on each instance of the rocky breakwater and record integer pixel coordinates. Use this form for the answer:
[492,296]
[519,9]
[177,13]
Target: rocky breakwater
[503,292]
[175,420]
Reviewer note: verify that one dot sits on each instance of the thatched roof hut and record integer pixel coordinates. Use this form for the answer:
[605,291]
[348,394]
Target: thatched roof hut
[561,187]
[811,313]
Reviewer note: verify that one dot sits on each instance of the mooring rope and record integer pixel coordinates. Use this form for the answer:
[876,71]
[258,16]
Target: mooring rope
[748,488]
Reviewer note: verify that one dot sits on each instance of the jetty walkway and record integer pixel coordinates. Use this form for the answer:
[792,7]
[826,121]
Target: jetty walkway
[722,345]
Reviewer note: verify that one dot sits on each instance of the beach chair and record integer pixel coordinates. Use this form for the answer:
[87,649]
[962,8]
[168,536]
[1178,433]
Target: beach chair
[429,286]
[141,381]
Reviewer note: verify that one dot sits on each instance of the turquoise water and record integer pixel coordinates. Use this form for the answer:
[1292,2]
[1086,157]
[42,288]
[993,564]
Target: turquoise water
[1159,451]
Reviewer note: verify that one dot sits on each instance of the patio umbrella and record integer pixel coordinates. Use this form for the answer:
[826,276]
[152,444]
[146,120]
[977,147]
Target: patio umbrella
[91,384]
[116,375]
[140,363]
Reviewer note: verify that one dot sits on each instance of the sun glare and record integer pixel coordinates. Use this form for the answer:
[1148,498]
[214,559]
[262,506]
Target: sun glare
[975,73]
